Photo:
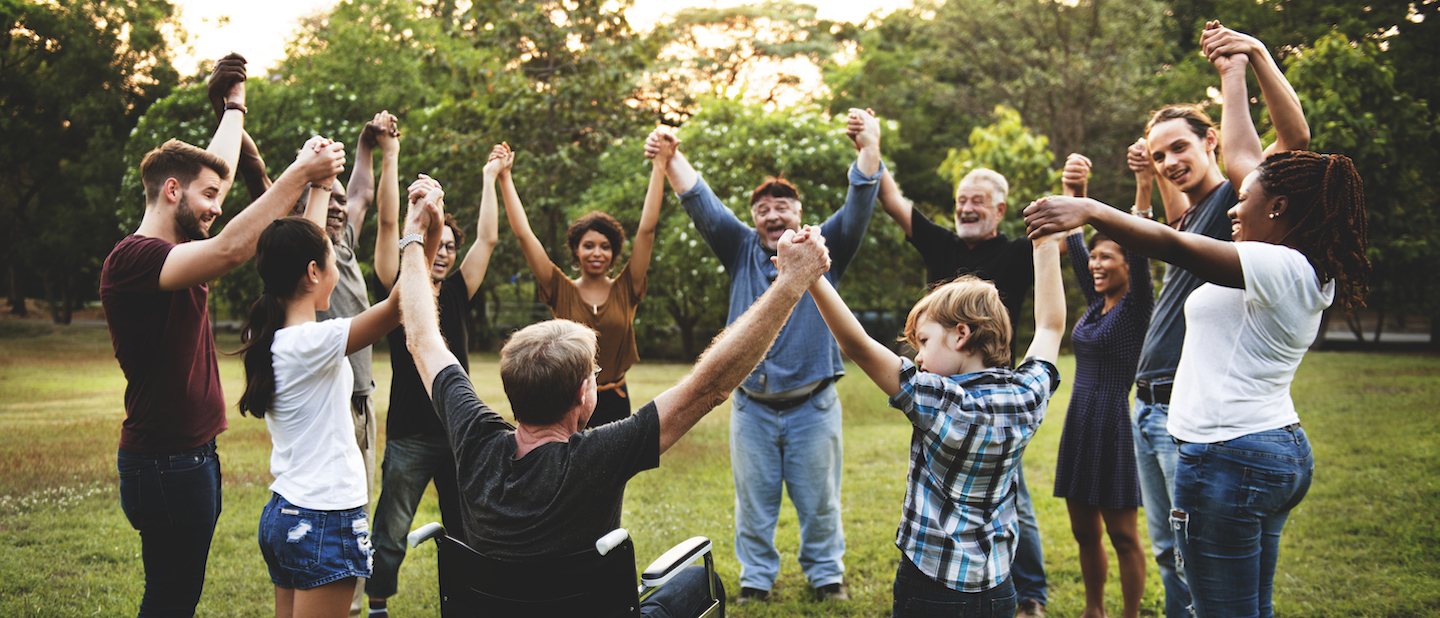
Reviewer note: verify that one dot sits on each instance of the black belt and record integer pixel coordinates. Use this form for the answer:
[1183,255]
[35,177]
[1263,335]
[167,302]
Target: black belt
[786,404]
[1151,393]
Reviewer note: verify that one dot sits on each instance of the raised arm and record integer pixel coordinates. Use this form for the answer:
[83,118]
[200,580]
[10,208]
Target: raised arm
[360,191]
[227,80]
[890,197]
[1212,260]
[384,316]
[418,312]
[721,230]
[317,202]
[530,245]
[650,216]
[1291,130]
[682,175]
[487,229]
[1049,300]
[876,360]
[1075,182]
[801,260]
[196,262]
[383,131]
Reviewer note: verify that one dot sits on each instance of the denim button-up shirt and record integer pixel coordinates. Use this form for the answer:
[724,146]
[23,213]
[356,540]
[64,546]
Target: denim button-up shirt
[805,351]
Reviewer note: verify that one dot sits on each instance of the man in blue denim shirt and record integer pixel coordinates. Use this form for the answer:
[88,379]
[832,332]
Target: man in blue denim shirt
[785,420]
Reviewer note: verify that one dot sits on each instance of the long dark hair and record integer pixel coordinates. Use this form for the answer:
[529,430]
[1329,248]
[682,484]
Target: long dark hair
[1327,200]
[282,256]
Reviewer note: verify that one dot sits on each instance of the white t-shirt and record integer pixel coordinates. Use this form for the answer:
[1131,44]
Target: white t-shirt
[1242,346]
[315,459]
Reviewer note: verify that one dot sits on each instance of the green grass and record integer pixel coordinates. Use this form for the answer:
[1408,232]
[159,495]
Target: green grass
[1365,542]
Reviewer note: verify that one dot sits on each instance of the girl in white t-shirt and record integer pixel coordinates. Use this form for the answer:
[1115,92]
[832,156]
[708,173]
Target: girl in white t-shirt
[314,534]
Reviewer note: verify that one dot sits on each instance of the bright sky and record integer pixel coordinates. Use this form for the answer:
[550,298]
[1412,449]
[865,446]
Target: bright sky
[259,28]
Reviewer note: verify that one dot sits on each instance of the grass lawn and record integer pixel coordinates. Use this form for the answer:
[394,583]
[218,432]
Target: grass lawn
[1365,542]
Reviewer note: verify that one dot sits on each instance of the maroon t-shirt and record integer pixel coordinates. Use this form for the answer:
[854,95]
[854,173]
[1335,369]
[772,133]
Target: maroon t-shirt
[164,344]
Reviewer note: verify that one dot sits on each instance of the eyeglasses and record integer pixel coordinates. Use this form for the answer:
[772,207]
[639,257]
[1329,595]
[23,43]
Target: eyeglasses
[595,373]
[448,247]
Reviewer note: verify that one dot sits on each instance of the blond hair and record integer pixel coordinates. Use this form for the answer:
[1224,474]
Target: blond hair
[541,367]
[966,300]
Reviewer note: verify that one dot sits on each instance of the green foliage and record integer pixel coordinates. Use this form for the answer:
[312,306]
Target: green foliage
[74,78]
[1008,147]
[1355,108]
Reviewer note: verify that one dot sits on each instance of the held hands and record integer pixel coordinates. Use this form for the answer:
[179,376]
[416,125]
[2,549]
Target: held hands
[661,146]
[320,159]
[226,83]
[1138,158]
[1227,49]
[863,128]
[382,131]
[426,213]
[801,256]
[1056,215]
[500,160]
[1076,175]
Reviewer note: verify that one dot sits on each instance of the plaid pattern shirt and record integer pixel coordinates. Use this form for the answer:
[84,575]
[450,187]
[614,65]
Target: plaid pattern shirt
[959,524]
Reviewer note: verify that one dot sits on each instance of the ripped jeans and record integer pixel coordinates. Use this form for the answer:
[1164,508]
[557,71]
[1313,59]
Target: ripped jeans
[305,548]
[1231,502]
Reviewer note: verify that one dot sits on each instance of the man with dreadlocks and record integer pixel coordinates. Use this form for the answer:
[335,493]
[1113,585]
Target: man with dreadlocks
[1243,460]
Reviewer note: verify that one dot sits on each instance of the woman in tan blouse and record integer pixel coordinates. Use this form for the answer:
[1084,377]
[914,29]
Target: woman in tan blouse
[594,298]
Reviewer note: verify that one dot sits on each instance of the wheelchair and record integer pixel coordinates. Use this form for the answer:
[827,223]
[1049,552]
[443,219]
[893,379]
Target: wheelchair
[592,582]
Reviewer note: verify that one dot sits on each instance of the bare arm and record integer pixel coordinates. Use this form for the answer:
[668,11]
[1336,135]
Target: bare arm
[252,168]
[1049,300]
[1075,182]
[530,245]
[226,86]
[487,231]
[318,201]
[383,130]
[867,139]
[876,360]
[649,221]
[418,312]
[894,203]
[682,175]
[740,347]
[193,263]
[1213,260]
[1286,113]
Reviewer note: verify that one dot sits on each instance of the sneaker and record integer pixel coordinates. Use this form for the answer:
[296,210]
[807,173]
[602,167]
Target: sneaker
[1030,608]
[832,592]
[752,594]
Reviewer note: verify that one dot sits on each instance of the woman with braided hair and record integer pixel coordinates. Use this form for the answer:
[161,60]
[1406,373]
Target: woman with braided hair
[1244,461]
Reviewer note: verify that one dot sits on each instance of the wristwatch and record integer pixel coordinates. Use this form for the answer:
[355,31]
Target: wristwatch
[409,239]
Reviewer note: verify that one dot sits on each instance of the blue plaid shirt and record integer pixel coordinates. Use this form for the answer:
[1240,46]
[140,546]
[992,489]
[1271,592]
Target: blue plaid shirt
[959,524]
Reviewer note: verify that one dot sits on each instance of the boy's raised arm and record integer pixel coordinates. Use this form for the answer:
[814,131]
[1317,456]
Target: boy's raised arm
[876,360]
[1049,299]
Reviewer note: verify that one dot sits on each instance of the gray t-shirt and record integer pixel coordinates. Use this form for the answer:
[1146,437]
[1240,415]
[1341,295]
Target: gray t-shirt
[1166,336]
[349,300]
[557,499]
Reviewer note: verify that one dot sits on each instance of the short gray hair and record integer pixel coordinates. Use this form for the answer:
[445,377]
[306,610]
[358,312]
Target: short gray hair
[1002,188]
[541,367]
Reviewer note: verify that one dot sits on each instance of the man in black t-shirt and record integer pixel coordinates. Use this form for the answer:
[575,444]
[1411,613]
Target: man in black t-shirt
[547,486]
[416,447]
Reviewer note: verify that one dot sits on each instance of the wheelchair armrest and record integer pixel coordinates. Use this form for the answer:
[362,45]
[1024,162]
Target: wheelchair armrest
[670,563]
[610,541]
[424,533]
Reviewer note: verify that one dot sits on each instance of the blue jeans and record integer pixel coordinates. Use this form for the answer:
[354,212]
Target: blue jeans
[308,548]
[1155,454]
[798,449]
[1028,570]
[173,500]
[1231,502]
[684,596]
[409,465]
[917,595]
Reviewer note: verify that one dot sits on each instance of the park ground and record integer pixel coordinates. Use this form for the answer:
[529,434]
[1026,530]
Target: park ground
[1365,542]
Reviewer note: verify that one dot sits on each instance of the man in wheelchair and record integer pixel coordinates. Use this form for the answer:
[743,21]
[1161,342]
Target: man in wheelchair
[546,487]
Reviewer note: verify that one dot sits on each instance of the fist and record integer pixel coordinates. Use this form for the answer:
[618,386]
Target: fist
[661,145]
[1076,175]
[226,83]
[862,127]
[1137,156]
[383,130]
[320,159]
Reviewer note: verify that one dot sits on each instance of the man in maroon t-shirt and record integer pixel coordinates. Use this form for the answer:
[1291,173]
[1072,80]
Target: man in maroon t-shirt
[154,290]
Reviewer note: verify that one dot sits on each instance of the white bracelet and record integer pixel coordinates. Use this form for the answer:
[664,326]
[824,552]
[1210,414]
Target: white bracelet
[1148,213]
[409,239]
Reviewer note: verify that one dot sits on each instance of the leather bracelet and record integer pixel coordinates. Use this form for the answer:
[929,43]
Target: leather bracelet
[229,105]
[412,238]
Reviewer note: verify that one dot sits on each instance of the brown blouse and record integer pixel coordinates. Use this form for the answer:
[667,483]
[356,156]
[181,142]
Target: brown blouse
[614,320]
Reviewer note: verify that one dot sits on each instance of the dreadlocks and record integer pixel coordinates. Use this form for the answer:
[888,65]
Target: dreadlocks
[1327,197]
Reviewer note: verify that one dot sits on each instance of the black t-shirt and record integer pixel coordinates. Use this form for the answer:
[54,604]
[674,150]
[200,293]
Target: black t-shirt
[556,500]
[410,410]
[1010,263]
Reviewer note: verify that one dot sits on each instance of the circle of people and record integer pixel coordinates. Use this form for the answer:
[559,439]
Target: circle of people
[1257,249]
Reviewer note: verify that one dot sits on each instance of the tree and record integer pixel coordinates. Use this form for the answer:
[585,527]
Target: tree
[1010,148]
[74,78]
[1355,108]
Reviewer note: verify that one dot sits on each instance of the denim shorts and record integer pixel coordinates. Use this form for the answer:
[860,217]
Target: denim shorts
[305,548]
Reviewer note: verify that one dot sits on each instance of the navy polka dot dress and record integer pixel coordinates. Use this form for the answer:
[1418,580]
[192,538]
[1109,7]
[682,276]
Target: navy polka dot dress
[1096,464]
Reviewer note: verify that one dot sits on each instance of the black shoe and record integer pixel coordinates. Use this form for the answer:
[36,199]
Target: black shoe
[752,594]
[832,592]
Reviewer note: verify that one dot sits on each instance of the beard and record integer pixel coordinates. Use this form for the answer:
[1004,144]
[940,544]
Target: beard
[187,223]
